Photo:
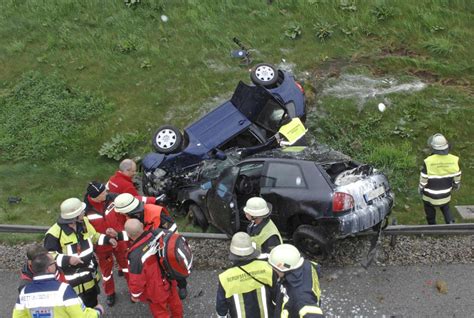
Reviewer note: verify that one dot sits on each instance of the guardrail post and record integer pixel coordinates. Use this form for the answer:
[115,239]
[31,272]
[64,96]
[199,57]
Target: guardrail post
[393,237]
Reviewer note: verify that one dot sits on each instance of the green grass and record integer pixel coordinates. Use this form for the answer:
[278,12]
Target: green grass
[144,73]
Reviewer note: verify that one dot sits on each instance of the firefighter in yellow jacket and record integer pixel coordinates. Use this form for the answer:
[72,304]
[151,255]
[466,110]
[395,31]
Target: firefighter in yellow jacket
[71,241]
[439,176]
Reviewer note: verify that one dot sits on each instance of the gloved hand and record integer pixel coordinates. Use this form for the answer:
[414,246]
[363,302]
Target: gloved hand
[161,199]
[456,186]
[420,191]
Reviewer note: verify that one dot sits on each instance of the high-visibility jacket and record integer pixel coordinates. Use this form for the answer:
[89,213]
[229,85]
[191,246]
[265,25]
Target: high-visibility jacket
[47,297]
[157,216]
[121,183]
[265,235]
[299,293]
[246,290]
[437,177]
[64,242]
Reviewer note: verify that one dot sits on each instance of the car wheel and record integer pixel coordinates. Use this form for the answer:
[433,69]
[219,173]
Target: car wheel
[197,216]
[265,75]
[167,139]
[311,240]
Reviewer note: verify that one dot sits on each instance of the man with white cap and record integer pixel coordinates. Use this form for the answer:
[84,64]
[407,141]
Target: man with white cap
[298,284]
[248,287]
[70,240]
[261,229]
[439,176]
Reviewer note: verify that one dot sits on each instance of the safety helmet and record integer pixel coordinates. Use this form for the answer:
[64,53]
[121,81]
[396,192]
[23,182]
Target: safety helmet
[126,203]
[241,247]
[71,208]
[257,207]
[438,142]
[285,257]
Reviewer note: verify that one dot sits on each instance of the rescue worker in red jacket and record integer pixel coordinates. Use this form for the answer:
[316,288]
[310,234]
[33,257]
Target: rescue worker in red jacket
[152,217]
[146,281]
[122,182]
[101,214]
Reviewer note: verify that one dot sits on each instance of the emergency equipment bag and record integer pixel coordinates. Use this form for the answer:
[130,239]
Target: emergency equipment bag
[174,254]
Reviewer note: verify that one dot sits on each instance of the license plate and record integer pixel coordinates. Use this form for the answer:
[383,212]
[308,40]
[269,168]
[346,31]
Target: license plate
[371,195]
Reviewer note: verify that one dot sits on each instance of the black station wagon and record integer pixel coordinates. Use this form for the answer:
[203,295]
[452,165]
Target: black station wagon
[317,194]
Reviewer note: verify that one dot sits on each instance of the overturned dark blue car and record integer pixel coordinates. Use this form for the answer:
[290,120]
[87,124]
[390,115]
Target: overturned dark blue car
[250,118]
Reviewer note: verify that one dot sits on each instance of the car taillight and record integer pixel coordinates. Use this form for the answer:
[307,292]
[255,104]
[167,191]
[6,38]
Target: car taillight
[342,202]
[299,87]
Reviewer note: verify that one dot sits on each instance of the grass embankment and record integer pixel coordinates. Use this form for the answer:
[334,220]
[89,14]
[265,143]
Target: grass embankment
[126,72]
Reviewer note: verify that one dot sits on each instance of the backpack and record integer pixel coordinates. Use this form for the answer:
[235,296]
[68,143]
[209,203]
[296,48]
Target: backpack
[174,254]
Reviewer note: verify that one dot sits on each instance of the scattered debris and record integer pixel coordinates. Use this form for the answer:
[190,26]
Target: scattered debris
[164,18]
[14,200]
[442,286]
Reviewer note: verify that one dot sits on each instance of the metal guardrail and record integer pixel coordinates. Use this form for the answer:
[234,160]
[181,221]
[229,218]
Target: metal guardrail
[439,229]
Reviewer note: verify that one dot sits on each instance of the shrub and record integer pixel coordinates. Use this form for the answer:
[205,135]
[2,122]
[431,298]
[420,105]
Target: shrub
[119,145]
[293,30]
[42,117]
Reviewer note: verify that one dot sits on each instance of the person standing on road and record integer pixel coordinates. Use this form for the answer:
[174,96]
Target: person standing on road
[47,297]
[122,182]
[146,280]
[298,284]
[261,229]
[248,287]
[439,176]
[152,217]
[100,213]
[71,241]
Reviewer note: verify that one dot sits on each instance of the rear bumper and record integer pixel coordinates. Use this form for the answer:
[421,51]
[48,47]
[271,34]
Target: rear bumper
[363,219]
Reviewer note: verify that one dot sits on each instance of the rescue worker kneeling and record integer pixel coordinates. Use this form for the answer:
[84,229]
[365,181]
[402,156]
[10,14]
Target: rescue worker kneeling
[261,229]
[71,241]
[298,293]
[248,288]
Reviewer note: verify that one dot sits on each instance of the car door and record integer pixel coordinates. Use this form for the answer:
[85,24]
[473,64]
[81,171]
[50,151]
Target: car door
[221,201]
[285,186]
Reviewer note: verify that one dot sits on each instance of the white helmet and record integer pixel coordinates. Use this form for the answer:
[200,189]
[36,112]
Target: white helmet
[285,257]
[71,208]
[257,207]
[438,142]
[126,203]
[241,247]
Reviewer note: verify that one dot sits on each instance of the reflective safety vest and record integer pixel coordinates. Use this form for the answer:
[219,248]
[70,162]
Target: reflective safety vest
[267,231]
[64,242]
[256,277]
[293,131]
[301,300]
[47,297]
[437,177]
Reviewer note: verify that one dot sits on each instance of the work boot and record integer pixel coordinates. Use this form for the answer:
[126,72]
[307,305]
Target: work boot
[110,301]
[120,273]
[182,292]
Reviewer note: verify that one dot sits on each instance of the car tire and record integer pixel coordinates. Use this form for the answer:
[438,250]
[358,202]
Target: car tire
[198,217]
[265,75]
[167,139]
[311,241]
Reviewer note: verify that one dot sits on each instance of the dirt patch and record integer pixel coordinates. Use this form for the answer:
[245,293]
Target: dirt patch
[399,51]
[427,76]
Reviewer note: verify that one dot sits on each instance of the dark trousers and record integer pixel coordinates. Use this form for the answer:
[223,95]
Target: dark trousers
[89,297]
[430,211]
[182,283]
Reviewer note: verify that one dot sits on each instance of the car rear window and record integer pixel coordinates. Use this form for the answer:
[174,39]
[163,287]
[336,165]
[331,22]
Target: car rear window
[284,175]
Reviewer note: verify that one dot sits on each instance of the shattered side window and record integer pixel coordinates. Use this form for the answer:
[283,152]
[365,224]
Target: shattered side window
[225,185]
[283,175]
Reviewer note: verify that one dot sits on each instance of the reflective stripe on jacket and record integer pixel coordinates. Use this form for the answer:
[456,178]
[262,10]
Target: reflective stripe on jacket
[64,242]
[261,235]
[299,293]
[248,294]
[47,297]
[437,176]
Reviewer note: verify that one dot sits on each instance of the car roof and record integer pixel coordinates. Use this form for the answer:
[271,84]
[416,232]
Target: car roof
[319,154]
[218,126]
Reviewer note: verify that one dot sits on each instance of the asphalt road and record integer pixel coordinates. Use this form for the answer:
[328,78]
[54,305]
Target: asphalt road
[392,291]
